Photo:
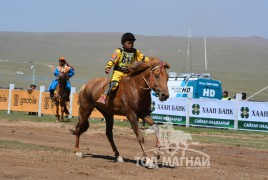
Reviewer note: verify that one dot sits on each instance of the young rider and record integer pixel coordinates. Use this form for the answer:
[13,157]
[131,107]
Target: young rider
[120,60]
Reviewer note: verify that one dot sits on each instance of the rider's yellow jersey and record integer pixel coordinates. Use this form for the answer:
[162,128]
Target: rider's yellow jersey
[122,59]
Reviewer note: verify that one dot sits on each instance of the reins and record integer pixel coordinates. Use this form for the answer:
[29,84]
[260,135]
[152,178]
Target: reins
[150,79]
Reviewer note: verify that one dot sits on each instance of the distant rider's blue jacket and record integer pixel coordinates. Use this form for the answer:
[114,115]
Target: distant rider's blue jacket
[57,71]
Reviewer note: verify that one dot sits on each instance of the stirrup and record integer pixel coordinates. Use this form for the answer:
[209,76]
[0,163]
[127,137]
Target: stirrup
[102,99]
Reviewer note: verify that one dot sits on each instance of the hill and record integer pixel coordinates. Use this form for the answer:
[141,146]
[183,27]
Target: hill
[239,62]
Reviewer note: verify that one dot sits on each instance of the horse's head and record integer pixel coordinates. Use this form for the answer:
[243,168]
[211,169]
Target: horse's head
[158,79]
[155,71]
[62,78]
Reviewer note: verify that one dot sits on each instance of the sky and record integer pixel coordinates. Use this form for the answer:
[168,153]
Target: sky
[205,18]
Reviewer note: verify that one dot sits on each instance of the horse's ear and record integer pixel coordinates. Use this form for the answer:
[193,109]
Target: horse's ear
[166,65]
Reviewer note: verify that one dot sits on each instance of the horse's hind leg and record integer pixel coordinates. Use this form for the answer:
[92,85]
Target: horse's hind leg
[109,119]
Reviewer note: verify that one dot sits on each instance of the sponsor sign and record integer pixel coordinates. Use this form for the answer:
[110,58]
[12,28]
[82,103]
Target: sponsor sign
[4,99]
[253,116]
[172,110]
[48,106]
[22,100]
[212,113]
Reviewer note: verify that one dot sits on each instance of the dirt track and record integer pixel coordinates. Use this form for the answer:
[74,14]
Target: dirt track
[44,151]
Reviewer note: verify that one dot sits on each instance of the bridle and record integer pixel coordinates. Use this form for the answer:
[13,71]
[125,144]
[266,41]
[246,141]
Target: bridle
[151,83]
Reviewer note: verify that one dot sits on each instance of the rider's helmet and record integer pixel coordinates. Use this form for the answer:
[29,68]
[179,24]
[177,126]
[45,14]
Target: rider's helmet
[127,37]
[62,59]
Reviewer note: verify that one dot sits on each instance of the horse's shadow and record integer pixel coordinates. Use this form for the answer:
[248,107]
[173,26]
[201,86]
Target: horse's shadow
[107,157]
[126,160]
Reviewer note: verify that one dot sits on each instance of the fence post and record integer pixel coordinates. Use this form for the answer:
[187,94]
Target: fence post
[42,89]
[11,87]
[189,97]
[238,97]
[73,89]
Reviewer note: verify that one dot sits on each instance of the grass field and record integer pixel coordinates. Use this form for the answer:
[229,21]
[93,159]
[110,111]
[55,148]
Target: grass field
[244,139]
[239,63]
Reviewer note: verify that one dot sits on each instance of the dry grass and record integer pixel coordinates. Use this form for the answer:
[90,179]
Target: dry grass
[240,63]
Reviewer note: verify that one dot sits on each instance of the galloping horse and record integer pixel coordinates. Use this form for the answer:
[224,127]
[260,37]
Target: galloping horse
[132,99]
[60,97]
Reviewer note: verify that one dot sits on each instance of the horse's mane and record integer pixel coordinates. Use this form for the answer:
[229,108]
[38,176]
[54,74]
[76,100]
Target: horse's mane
[138,67]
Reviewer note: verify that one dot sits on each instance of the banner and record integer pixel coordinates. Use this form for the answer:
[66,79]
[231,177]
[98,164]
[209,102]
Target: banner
[22,100]
[212,113]
[253,116]
[172,110]
[48,106]
[4,99]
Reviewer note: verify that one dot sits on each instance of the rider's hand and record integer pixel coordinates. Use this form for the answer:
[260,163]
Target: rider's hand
[107,70]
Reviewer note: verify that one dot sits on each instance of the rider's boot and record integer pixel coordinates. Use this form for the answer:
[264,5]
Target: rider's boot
[103,97]
[51,95]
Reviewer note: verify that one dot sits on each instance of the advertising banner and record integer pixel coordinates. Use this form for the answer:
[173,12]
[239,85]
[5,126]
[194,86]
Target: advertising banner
[212,113]
[4,99]
[48,106]
[253,116]
[22,100]
[172,110]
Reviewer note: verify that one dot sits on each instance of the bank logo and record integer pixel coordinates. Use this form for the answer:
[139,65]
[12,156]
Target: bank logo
[153,106]
[244,112]
[195,109]
[173,150]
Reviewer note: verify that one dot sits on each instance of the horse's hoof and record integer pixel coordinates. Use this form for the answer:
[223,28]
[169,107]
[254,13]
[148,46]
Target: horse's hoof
[152,166]
[150,163]
[157,156]
[79,155]
[119,159]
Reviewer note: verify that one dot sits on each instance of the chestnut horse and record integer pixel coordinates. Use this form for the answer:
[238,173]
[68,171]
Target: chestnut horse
[132,99]
[60,97]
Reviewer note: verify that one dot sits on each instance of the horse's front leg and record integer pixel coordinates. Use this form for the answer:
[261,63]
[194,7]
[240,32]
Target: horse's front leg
[62,111]
[132,117]
[151,122]
[57,113]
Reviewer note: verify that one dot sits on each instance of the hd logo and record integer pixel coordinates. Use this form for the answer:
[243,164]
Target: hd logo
[244,112]
[196,109]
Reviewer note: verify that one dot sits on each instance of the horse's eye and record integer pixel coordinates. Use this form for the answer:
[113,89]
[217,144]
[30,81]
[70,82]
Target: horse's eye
[157,76]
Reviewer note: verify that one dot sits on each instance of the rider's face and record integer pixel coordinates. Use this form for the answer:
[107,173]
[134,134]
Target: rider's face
[129,45]
[61,63]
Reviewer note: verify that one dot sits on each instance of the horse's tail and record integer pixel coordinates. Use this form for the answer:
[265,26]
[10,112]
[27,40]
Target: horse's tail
[80,93]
